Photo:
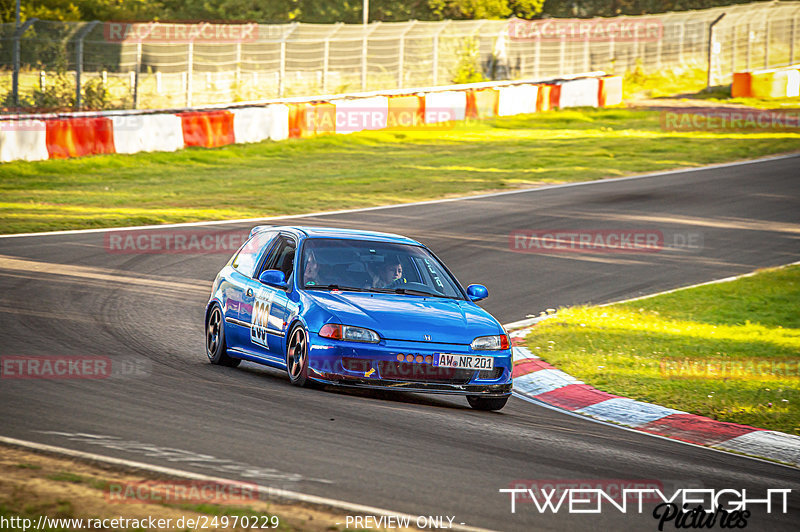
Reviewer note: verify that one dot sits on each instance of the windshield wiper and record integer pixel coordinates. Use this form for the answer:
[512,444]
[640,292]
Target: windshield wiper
[409,291]
[418,292]
[334,287]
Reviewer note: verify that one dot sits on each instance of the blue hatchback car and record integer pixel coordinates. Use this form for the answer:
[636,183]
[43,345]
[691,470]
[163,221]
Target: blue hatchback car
[356,308]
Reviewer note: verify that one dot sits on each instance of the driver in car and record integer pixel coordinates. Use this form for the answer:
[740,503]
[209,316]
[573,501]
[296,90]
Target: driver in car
[387,273]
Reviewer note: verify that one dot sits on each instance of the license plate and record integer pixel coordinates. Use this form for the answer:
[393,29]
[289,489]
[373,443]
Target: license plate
[446,360]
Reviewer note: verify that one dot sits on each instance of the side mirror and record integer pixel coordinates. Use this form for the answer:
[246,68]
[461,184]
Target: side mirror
[274,278]
[477,292]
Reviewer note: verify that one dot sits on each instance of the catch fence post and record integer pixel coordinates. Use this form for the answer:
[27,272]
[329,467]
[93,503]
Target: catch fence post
[79,59]
[436,52]
[15,74]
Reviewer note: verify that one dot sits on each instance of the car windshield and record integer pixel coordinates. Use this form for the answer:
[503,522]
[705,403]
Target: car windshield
[358,265]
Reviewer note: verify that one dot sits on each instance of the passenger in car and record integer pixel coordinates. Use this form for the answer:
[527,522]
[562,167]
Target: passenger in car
[314,273]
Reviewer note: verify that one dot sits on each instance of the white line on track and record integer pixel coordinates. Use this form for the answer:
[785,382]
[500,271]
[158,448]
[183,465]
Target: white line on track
[291,496]
[399,205]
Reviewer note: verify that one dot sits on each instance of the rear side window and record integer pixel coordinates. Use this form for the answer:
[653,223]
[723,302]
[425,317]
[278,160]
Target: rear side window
[247,257]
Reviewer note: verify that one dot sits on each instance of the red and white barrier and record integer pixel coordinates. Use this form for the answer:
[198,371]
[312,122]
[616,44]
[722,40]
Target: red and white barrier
[482,103]
[405,111]
[517,99]
[127,132]
[251,124]
[23,140]
[445,106]
[361,114]
[775,84]
[579,93]
[77,137]
[610,92]
[770,83]
[156,132]
[207,129]
[279,122]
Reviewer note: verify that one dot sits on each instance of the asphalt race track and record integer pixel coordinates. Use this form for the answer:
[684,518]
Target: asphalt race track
[422,455]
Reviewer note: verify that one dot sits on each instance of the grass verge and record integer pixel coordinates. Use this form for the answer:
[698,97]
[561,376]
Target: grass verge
[359,170]
[34,485]
[690,84]
[728,351]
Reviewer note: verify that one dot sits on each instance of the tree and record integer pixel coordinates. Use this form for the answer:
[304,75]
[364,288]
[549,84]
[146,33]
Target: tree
[478,9]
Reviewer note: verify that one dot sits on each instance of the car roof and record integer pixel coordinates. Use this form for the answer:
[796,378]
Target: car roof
[348,234]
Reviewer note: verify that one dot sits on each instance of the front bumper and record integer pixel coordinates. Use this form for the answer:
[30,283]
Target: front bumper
[376,366]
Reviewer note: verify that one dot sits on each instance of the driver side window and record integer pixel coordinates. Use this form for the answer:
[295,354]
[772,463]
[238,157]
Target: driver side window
[282,257]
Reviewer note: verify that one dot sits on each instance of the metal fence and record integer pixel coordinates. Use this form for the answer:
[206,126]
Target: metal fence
[174,65]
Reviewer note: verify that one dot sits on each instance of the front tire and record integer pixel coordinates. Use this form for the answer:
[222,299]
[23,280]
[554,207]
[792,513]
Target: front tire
[297,357]
[487,403]
[216,348]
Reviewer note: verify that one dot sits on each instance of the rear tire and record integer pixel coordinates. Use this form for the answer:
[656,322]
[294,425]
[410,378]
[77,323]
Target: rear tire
[216,348]
[297,357]
[487,403]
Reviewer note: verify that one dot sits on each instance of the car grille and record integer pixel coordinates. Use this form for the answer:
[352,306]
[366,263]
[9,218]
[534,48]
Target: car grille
[419,372]
[490,374]
[404,371]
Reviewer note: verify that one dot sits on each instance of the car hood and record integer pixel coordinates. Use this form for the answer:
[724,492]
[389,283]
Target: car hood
[405,317]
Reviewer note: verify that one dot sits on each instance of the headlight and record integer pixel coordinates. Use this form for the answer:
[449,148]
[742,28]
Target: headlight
[490,343]
[349,333]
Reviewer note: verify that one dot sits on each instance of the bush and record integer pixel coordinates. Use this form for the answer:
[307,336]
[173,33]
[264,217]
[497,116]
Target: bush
[57,95]
[468,66]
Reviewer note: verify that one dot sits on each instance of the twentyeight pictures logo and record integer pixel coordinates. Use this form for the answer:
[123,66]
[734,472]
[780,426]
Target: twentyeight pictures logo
[681,508]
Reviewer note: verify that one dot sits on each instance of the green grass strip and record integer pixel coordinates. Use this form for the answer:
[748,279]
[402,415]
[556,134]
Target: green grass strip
[359,170]
[729,351]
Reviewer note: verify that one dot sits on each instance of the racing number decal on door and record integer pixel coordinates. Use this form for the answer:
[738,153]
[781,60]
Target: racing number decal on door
[260,319]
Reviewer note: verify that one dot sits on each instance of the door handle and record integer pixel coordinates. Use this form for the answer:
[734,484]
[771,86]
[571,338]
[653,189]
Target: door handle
[249,292]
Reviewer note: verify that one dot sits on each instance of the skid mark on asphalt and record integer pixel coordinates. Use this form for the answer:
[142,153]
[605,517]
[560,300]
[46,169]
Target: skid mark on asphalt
[98,274]
[60,315]
[192,458]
